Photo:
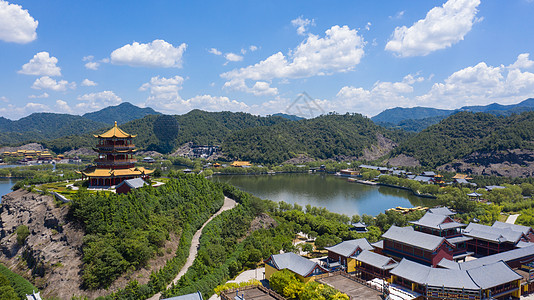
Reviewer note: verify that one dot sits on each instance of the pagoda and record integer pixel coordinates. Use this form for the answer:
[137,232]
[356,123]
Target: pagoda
[115,162]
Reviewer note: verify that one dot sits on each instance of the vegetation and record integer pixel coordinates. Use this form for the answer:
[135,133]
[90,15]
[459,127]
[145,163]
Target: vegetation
[124,231]
[13,286]
[464,133]
[122,113]
[286,284]
[22,233]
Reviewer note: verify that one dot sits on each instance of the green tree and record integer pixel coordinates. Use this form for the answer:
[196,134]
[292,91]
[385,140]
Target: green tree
[22,233]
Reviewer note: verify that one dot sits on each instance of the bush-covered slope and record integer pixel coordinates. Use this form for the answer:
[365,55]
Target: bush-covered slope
[121,113]
[464,133]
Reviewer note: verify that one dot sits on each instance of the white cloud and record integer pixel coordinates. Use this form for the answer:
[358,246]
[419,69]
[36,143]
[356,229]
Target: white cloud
[398,15]
[368,26]
[302,24]
[164,96]
[381,96]
[48,83]
[339,51]
[87,82]
[215,51]
[41,64]
[158,53]
[260,88]
[63,107]
[252,48]
[441,28]
[16,112]
[96,101]
[16,24]
[4,99]
[92,65]
[43,95]
[233,57]
[88,58]
[482,84]
[522,62]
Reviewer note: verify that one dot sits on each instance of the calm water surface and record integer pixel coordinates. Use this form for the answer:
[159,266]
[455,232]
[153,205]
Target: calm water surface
[322,190]
[5,186]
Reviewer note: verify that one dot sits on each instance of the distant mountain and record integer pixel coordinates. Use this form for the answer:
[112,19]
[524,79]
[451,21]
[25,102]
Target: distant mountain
[465,133]
[419,118]
[40,126]
[122,113]
[398,114]
[289,117]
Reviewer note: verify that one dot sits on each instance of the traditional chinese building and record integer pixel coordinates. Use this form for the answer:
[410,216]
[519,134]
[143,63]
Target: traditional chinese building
[115,162]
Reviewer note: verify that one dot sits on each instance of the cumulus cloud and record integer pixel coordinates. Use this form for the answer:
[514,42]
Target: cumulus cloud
[164,96]
[43,95]
[158,53]
[87,82]
[302,24]
[233,57]
[481,84]
[92,65]
[260,88]
[441,28]
[41,64]
[215,51]
[398,15]
[381,96]
[96,101]
[48,83]
[253,48]
[14,112]
[63,107]
[339,51]
[16,24]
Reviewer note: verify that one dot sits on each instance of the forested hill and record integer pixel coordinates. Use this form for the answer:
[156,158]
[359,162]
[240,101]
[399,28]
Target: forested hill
[199,127]
[464,133]
[327,136]
[39,126]
[259,139]
[418,118]
[122,113]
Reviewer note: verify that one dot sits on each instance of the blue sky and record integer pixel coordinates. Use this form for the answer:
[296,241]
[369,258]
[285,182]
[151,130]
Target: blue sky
[259,56]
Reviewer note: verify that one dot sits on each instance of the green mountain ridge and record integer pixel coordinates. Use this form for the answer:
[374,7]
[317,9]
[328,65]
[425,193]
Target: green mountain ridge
[122,113]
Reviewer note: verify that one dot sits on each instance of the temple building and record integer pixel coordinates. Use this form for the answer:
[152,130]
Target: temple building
[115,162]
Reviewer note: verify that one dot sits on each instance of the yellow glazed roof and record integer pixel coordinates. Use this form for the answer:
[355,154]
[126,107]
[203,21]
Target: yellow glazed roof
[117,172]
[115,132]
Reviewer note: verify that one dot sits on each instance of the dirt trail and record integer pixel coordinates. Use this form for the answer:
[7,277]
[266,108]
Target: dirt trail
[195,242]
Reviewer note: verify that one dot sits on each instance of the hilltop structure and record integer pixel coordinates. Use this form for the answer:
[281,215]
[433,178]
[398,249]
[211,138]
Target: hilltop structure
[115,162]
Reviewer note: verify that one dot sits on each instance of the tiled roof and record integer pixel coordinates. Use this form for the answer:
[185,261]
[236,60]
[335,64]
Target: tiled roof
[117,172]
[294,263]
[376,260]
[115,132]
[514,227]
[347,248]
[436,221]
[442,211]
[507,256]
[407,235]
[482,277]
[193,296]
[488,276]
[134,183]
[493,234]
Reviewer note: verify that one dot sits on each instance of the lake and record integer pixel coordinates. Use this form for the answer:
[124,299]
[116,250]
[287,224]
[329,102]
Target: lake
[5,186]
[332,192]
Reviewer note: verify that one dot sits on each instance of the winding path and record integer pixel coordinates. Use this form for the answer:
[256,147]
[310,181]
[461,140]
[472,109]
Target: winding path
[195,242]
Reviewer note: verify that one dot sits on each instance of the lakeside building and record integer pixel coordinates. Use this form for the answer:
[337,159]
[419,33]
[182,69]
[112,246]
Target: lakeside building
[372,265]
[405,242]
[115,162]
[339,255]
[303,268]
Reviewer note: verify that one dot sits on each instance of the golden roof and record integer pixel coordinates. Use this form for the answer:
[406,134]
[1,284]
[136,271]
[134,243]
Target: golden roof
[240,163]
[461,176]
[115,132]
[137,171]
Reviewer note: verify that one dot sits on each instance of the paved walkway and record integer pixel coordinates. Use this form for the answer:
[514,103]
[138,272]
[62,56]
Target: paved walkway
[512,218]
[195,242]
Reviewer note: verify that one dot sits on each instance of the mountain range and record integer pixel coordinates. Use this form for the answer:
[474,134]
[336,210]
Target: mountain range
[418,118]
